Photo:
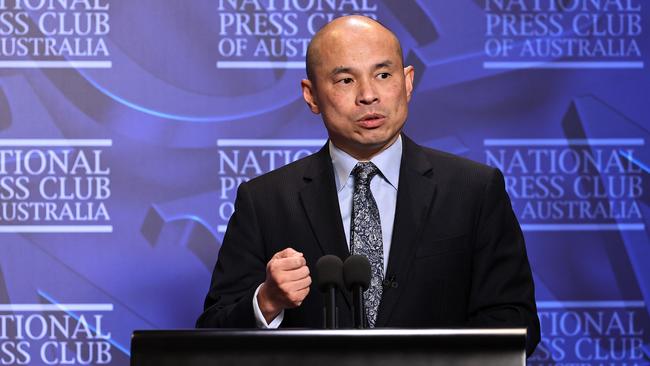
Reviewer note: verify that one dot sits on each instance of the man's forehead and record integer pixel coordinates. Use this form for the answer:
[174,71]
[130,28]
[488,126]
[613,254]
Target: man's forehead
[353,44]
[359,54]
[342,69]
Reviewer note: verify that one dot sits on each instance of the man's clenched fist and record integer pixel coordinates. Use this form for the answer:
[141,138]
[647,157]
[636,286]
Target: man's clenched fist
[286,285]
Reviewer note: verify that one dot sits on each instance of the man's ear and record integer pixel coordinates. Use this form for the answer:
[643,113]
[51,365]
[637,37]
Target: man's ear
[409,75]
[309,94]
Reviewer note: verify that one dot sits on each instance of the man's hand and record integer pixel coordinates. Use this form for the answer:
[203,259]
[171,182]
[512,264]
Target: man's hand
[286,285]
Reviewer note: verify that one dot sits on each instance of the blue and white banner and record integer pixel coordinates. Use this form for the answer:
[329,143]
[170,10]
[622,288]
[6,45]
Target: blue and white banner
[127,126]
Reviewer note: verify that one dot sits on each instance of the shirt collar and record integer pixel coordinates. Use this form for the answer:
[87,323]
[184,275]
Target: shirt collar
[388,162]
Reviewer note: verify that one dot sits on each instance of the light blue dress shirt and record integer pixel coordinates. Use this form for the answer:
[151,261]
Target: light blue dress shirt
[384,189]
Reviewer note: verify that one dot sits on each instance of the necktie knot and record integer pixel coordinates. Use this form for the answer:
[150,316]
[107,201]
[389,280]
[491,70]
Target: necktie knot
[363,172]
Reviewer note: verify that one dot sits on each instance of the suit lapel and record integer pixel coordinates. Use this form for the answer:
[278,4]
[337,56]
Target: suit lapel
[320,201]
[415,195]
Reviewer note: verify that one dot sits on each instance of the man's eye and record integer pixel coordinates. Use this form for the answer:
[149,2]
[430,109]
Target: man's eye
[384,75]
[345,80]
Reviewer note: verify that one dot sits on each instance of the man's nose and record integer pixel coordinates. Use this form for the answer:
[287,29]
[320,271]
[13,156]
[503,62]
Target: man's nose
[367,94]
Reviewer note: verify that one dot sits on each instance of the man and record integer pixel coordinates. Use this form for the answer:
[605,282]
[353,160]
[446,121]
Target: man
[445,247]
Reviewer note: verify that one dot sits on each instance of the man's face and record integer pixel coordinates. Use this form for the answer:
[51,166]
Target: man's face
[361,89]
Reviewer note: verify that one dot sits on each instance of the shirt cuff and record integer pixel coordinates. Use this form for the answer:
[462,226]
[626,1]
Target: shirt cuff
[259,317]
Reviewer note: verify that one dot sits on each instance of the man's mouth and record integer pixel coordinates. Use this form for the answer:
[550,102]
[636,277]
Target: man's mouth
[371,120]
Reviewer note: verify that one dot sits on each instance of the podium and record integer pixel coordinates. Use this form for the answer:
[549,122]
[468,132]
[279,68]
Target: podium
[284,347]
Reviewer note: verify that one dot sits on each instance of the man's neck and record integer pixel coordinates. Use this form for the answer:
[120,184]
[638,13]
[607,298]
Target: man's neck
[365,155]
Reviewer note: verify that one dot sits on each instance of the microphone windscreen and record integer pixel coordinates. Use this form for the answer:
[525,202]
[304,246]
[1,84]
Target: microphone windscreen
[356,271]
[329,272]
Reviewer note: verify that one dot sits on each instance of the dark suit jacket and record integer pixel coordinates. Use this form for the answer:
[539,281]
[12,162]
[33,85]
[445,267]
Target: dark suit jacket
[457,253]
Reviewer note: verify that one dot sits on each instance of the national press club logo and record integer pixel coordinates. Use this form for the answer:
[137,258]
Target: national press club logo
[563,34]
[572,184]
[591,333]
[243,159]
[267,34]
[54,34]
[54,186]
[579,185]
[55,334]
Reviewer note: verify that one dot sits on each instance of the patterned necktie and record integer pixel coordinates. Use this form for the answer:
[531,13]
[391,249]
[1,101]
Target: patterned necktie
[365,236]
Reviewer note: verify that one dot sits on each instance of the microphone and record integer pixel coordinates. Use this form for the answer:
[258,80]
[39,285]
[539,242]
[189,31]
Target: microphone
[329,275]
[356,274]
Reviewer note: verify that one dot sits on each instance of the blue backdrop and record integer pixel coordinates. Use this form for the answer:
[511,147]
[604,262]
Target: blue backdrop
[126,126]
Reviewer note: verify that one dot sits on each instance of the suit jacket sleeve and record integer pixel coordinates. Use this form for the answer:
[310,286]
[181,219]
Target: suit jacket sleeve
[240,268]
[502,291]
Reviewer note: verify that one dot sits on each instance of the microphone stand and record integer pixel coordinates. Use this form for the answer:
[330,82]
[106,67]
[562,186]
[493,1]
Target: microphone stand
[358,313]
[330,310]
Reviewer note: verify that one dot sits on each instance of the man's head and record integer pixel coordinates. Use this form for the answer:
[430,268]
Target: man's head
[358,83]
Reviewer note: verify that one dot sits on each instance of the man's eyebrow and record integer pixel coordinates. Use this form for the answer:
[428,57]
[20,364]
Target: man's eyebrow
[341,70]
[384,64]
[348,70]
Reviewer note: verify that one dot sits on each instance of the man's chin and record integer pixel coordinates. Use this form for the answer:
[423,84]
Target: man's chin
[370,147]
[378,140]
